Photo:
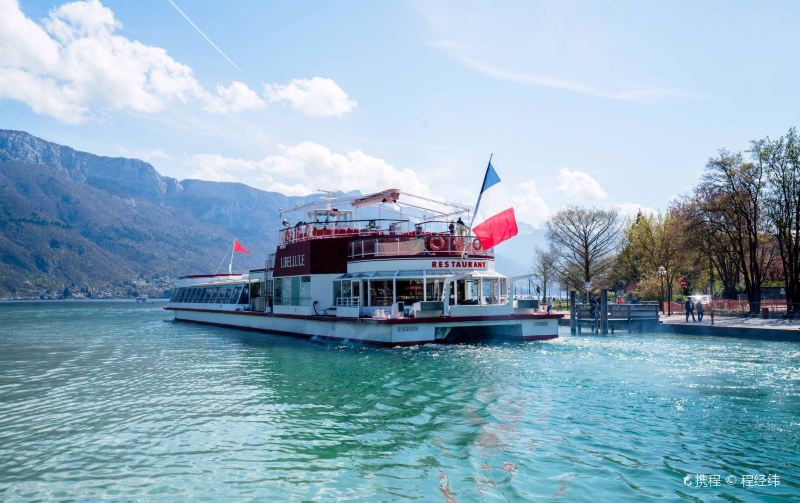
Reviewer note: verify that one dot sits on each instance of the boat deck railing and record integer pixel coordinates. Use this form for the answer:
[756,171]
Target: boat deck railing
[413,244]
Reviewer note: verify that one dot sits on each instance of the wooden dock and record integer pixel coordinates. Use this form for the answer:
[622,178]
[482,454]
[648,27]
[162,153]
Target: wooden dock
[639,317]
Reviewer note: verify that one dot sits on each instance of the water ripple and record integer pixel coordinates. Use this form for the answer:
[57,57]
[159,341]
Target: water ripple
[110,401]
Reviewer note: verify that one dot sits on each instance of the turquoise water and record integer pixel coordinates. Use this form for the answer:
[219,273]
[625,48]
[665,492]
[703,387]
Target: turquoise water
[110,401]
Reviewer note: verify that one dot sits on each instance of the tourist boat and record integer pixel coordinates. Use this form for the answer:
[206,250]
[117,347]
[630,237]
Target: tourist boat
[391,281]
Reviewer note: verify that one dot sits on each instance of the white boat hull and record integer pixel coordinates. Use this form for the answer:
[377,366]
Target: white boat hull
[393,332]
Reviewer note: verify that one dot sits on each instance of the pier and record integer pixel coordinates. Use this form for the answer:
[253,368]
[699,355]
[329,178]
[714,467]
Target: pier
[603,317]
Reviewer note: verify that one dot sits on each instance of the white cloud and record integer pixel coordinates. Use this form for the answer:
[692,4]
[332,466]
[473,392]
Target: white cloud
[630,210]
[303,168]
[529,205]
[639,93]
[234,98]
[315,97]
[579,185]
[74,62]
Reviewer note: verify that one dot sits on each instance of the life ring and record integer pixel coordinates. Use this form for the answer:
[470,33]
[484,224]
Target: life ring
[287,235]
[476,244]
[436,243]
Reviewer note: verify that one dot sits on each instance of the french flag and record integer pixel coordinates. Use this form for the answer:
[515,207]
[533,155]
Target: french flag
[494,219]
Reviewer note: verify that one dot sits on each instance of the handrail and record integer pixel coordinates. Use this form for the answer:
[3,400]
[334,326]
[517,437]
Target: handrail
[426,244]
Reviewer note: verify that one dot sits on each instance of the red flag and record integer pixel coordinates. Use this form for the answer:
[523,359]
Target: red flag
[237,247]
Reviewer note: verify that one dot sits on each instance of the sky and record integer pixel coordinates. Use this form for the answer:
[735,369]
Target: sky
[612,104]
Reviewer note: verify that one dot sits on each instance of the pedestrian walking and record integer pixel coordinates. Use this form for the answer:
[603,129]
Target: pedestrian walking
[699,308]
[689,308]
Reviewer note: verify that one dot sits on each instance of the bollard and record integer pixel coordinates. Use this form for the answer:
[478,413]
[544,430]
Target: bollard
[604,311]
[572,320]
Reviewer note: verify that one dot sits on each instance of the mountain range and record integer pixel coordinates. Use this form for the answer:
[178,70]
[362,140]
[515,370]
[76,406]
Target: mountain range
[112,226]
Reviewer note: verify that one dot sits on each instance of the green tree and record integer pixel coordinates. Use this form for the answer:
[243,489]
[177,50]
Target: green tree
[659,240]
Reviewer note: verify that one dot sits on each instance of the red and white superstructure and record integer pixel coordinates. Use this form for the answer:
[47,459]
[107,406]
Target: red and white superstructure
[392,281]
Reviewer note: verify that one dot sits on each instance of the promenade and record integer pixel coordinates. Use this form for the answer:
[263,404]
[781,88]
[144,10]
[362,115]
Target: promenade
[734,326]
[726,326]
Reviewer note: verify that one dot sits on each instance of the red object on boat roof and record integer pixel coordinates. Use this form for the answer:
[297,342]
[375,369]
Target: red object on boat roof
[237,247]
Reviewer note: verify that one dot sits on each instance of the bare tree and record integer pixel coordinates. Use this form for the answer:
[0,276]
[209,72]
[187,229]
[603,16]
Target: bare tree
[586,242]
[732,193]
[781,158]
[544,268]
[704,235]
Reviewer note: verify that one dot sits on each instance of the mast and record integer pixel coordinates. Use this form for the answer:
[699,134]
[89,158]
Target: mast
[230,264]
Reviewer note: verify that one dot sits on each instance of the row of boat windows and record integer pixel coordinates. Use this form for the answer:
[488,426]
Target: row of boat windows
[212,294]
[292,291]
[386,292]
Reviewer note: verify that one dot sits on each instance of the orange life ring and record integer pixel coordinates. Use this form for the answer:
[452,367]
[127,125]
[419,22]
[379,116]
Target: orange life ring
[436,243]
[476,244]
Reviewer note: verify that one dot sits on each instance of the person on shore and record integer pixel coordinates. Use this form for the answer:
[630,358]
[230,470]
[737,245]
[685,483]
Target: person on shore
[689,308]
[699,311]
[549,306]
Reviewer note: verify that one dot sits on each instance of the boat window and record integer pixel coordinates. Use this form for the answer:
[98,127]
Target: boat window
[434,289]
[347,292]
[380,292]
[292,291]
[409,290]
[415,273]
[471,290]
[489,291]
[467,291]
[439,273]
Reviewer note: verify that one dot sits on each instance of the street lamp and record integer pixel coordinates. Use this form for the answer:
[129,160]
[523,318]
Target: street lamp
[662,272]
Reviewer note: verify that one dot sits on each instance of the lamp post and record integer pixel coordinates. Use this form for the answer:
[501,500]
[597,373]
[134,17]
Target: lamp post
[662,272]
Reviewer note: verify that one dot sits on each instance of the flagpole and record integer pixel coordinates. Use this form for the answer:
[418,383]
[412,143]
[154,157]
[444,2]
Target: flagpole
[230,264]
[480,195]
[478,203]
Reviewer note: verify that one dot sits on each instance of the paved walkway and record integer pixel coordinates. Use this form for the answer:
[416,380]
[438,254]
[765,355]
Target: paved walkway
[734,326]
[734,322]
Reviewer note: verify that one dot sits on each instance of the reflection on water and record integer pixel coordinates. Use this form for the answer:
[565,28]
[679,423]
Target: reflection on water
[110,401]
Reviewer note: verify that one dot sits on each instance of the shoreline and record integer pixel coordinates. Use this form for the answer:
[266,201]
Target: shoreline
[114,299]
[725,326]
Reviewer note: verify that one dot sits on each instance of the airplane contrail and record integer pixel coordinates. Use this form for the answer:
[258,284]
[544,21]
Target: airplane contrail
[204,35]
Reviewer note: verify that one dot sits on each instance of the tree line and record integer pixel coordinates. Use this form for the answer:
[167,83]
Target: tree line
[735,232]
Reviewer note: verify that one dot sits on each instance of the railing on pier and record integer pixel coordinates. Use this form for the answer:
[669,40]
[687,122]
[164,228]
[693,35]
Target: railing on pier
[728,307]
[641,315]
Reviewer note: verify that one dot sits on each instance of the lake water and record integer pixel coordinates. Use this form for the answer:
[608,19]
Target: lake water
[106,400]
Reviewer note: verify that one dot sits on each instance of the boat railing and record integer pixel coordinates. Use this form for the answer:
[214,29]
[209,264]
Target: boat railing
[417,244]
[348,302]
[304,231]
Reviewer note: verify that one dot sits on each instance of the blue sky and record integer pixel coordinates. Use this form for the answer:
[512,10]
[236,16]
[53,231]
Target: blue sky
[599,103]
